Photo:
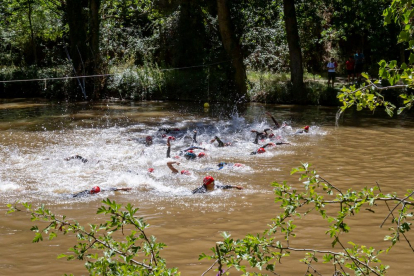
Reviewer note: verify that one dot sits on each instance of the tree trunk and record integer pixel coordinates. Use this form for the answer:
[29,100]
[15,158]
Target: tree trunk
[232,47]
[77,22]
[32,32]
[94,61]
[295,52]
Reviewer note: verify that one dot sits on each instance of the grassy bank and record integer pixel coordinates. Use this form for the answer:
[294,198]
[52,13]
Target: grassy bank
[149,82]
[275,88]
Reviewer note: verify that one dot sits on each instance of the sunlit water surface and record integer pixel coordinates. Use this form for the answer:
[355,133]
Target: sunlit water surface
[36,136]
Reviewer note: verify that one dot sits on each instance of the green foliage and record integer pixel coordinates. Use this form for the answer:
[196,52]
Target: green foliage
[113,257]
[259,252]
[392,74]
[317,196]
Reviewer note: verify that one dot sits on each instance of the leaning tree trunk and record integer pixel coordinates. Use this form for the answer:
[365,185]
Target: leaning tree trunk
[232,46]
[295,52]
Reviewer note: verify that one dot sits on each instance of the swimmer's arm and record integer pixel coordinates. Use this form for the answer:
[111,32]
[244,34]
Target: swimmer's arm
[122,189]
[170,166]
[84,160]
[195,136]
[273,119]
[225,187]
[168,152]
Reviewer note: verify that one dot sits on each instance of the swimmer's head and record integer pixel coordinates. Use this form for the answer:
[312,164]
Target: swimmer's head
[238,165]
[306,128]
[261,150]
[175,129]
[201,154]
[190,155]
[164,135]
[221,165]
[148,140]
[185,172]
[208,180]
[95,190]
[190,151]
[171,138]
[176,157]
[150,170]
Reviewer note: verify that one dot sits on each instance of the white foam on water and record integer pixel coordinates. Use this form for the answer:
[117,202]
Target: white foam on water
[118,157]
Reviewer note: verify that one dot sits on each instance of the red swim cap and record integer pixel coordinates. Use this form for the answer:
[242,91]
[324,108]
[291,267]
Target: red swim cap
[271,135]
[148,138]
[151,170]
[201,154]
[306,128]
[261,150]
[185,172]
[238,165]
[164,135]
[171,138]
[95,190]
[190,151]
[207,180]
[176,157]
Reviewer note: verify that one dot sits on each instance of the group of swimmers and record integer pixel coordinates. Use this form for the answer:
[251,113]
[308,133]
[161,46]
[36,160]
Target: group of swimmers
[189,154]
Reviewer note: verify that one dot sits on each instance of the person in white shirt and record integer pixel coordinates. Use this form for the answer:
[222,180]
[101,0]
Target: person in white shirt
[331,71]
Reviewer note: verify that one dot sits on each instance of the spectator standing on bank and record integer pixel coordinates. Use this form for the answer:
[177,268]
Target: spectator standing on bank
[332,65]
[350,68]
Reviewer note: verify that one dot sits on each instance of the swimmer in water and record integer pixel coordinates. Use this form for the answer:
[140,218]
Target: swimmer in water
[168,130]
[96,190]
[84,160]
[209,185]
[305,129]
[262,148]
[223,165]
[262,135]
[148,141]
[190,155]
[174,170]
[221,144]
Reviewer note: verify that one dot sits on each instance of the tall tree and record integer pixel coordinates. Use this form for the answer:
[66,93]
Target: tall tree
[94,61]
[295,52]
[232,46]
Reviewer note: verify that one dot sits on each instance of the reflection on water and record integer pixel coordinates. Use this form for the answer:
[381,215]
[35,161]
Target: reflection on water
[35,137]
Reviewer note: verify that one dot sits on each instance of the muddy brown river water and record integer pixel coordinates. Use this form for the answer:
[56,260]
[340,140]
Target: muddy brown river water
[36,136]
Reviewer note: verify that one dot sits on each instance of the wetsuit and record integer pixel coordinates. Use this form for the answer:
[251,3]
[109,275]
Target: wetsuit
[190,148]
[203,189]
[84,160]
[88,192]
[168,130]
[264,146]
[274,120]
[220,143]
[168,150]
[195,137]
[260,135]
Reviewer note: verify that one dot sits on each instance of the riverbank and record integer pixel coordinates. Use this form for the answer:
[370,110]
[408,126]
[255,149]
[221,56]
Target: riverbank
[151,83]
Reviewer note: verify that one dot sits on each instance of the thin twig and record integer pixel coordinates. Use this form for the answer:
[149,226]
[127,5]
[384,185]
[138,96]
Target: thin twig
[356,259]
[401,201]
[211,267]
[389,209]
